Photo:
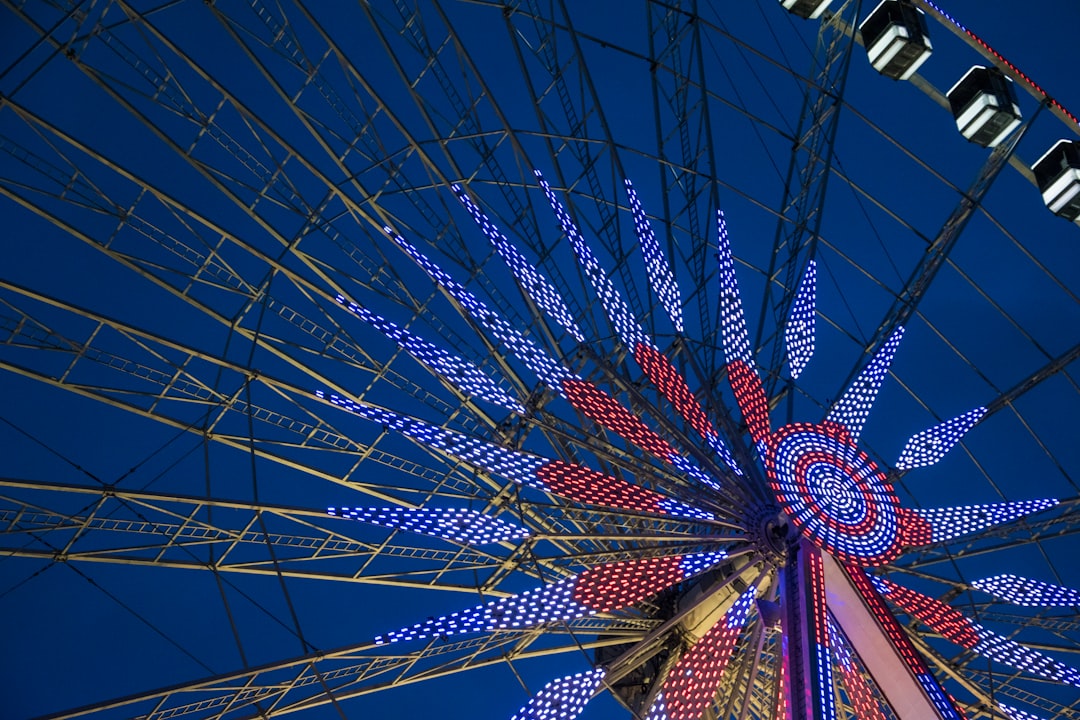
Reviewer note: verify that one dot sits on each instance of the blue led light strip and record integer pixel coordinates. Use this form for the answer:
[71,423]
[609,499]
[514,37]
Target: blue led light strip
[1027,592]
[535,358]
[562,699]
[568,480]
[965,632]
[464,526]
[531,279]
[615,306]
[927,447]
[464,375]
[950,522]
[799,333]
[602,588]
[735,336]
[657,265]
[852,409]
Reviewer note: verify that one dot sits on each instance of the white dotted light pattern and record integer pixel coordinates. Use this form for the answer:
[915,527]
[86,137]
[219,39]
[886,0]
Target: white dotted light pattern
[735,337]
[531,279]
[852,409]
[657,265]
[462,374]
[691,684]
[599,589]
[583,395]
[1017,714]
[834,493]
[657,368]
[927,447]
[1027,592]
[464,526]
[562,699]
[799,333]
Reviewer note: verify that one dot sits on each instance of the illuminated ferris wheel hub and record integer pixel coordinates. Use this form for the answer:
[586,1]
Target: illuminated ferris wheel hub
[833,492]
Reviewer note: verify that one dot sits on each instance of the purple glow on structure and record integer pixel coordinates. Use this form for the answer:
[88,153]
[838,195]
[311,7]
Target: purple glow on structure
[860,696]
[1028,593]
[614,305]
[562,699]
[927,447]
[460,373]
[852,409]
[931,525]
[800,329]
[531,279]
[657,265]
[464,526]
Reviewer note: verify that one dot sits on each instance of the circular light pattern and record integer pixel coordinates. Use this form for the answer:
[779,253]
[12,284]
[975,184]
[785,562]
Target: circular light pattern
[834,493]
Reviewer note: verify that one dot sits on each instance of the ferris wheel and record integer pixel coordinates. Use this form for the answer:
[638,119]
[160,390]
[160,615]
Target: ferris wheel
[535,360]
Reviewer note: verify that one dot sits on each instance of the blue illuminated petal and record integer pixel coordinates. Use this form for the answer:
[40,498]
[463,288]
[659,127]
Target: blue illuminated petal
[852,409]
[927,447]
[799,332]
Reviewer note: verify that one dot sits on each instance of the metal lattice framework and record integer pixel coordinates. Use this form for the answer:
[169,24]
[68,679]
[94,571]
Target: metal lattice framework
[265,258]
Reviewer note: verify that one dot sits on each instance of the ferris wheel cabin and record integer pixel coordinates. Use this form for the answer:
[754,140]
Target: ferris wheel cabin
[984,105]
[896,38]
[1057,174]
[809,9]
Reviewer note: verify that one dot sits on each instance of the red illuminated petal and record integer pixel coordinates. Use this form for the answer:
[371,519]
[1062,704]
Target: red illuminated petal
[581,484]
[606,410]
[934,614]
[609,587]
[915,530]
[750,394]
[691,685]
[673,385]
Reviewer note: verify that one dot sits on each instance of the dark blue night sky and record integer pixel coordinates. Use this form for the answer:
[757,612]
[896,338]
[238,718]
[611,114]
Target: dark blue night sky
[185,187]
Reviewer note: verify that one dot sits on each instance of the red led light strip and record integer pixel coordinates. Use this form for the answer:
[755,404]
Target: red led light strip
[750,394]
[585,485]
[900,641]
[1017,71]
[607,411]
[673,385]
[935,614]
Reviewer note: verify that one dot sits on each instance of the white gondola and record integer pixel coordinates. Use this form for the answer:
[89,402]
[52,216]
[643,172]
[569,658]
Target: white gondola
[1057,174]
[896,38]
[809,9]
[984,105]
